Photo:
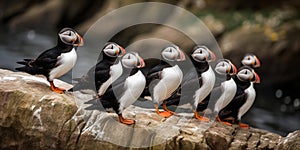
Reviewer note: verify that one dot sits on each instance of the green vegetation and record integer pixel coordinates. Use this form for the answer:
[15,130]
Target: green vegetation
[235,18]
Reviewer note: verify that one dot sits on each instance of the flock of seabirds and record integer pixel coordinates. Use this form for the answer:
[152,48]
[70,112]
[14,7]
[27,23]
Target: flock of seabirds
[119,81]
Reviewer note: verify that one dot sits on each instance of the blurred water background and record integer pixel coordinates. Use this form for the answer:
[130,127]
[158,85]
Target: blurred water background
[269,29]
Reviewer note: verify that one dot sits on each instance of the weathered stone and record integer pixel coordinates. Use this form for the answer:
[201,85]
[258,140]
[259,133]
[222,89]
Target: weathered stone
[34,117]
[291,142]
[240,139]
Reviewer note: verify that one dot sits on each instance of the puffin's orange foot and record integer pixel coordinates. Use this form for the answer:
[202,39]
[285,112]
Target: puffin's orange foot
[165,114]
[224,122]
[166,109]
[126,121]
[243,126]
[204,119]
[171,112]
[201,118]
[56,89]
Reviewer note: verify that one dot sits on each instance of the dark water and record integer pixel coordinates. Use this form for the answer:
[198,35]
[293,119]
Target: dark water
[273,109]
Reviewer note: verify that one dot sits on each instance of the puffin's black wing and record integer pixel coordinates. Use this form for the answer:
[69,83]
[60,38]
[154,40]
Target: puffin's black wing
[110,98]
[43,64]
[86,81]
[187,89]
[212,97]
[232,109]
[154,72]
[95,77]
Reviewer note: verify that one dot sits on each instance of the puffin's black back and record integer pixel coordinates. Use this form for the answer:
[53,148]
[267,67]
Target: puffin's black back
[189,84]
[46,61]
[110,98]
[232,109]
[153,74]
[97,75]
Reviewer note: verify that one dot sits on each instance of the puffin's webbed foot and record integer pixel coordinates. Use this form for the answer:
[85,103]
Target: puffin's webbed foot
[166,108]
[126,121]
[224,122]
[243,125]
[165,114]
[56,89]
[201,118]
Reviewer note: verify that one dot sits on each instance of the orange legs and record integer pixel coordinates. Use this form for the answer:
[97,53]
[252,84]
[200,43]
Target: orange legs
[125,121]
[56,89]
[243,126]
[166,109]
[224,122]
[165,113]
[197,116]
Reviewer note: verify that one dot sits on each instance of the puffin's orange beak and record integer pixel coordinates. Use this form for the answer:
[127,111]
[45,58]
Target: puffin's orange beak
[79,41]
[212,56]
[256,63]
[257,78]
[141,62]
[182,56]
[123,51]
[234,69]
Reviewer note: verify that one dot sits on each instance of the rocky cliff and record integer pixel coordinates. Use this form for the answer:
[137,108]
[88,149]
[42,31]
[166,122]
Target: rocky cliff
[33,117]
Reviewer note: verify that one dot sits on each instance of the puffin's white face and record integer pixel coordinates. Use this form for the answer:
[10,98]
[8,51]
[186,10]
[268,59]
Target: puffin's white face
[173,53]
[248,74]
[133,60]
[202,53]
[251,60]
[114,50]
[70,37]
[225,67]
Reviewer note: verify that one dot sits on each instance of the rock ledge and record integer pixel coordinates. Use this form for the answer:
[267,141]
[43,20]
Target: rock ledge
[33,117]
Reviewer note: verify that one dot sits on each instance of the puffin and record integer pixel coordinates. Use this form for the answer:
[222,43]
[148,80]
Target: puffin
[164,78]
[227,88]
[125,90]
[206,78]
[197,82]
[57,61]
[243,98]
[105,72]
[251,60]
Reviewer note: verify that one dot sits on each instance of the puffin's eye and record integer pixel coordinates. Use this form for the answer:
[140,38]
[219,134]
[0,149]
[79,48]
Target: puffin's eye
[170,50]
[246,72]
[248,58]
[200,52]
[223,64]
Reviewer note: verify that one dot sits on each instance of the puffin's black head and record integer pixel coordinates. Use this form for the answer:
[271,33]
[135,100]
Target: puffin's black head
[202,54]
[251,60]
[70,37]
[112,49]
[133,60]
[224,66]
[248,74]
[173,53]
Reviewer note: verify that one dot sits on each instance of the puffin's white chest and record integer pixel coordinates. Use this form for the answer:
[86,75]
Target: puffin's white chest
[208,82]
[228,92]
[66,62]
[171,78]
[133,88]
[251,94]
[115,72]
